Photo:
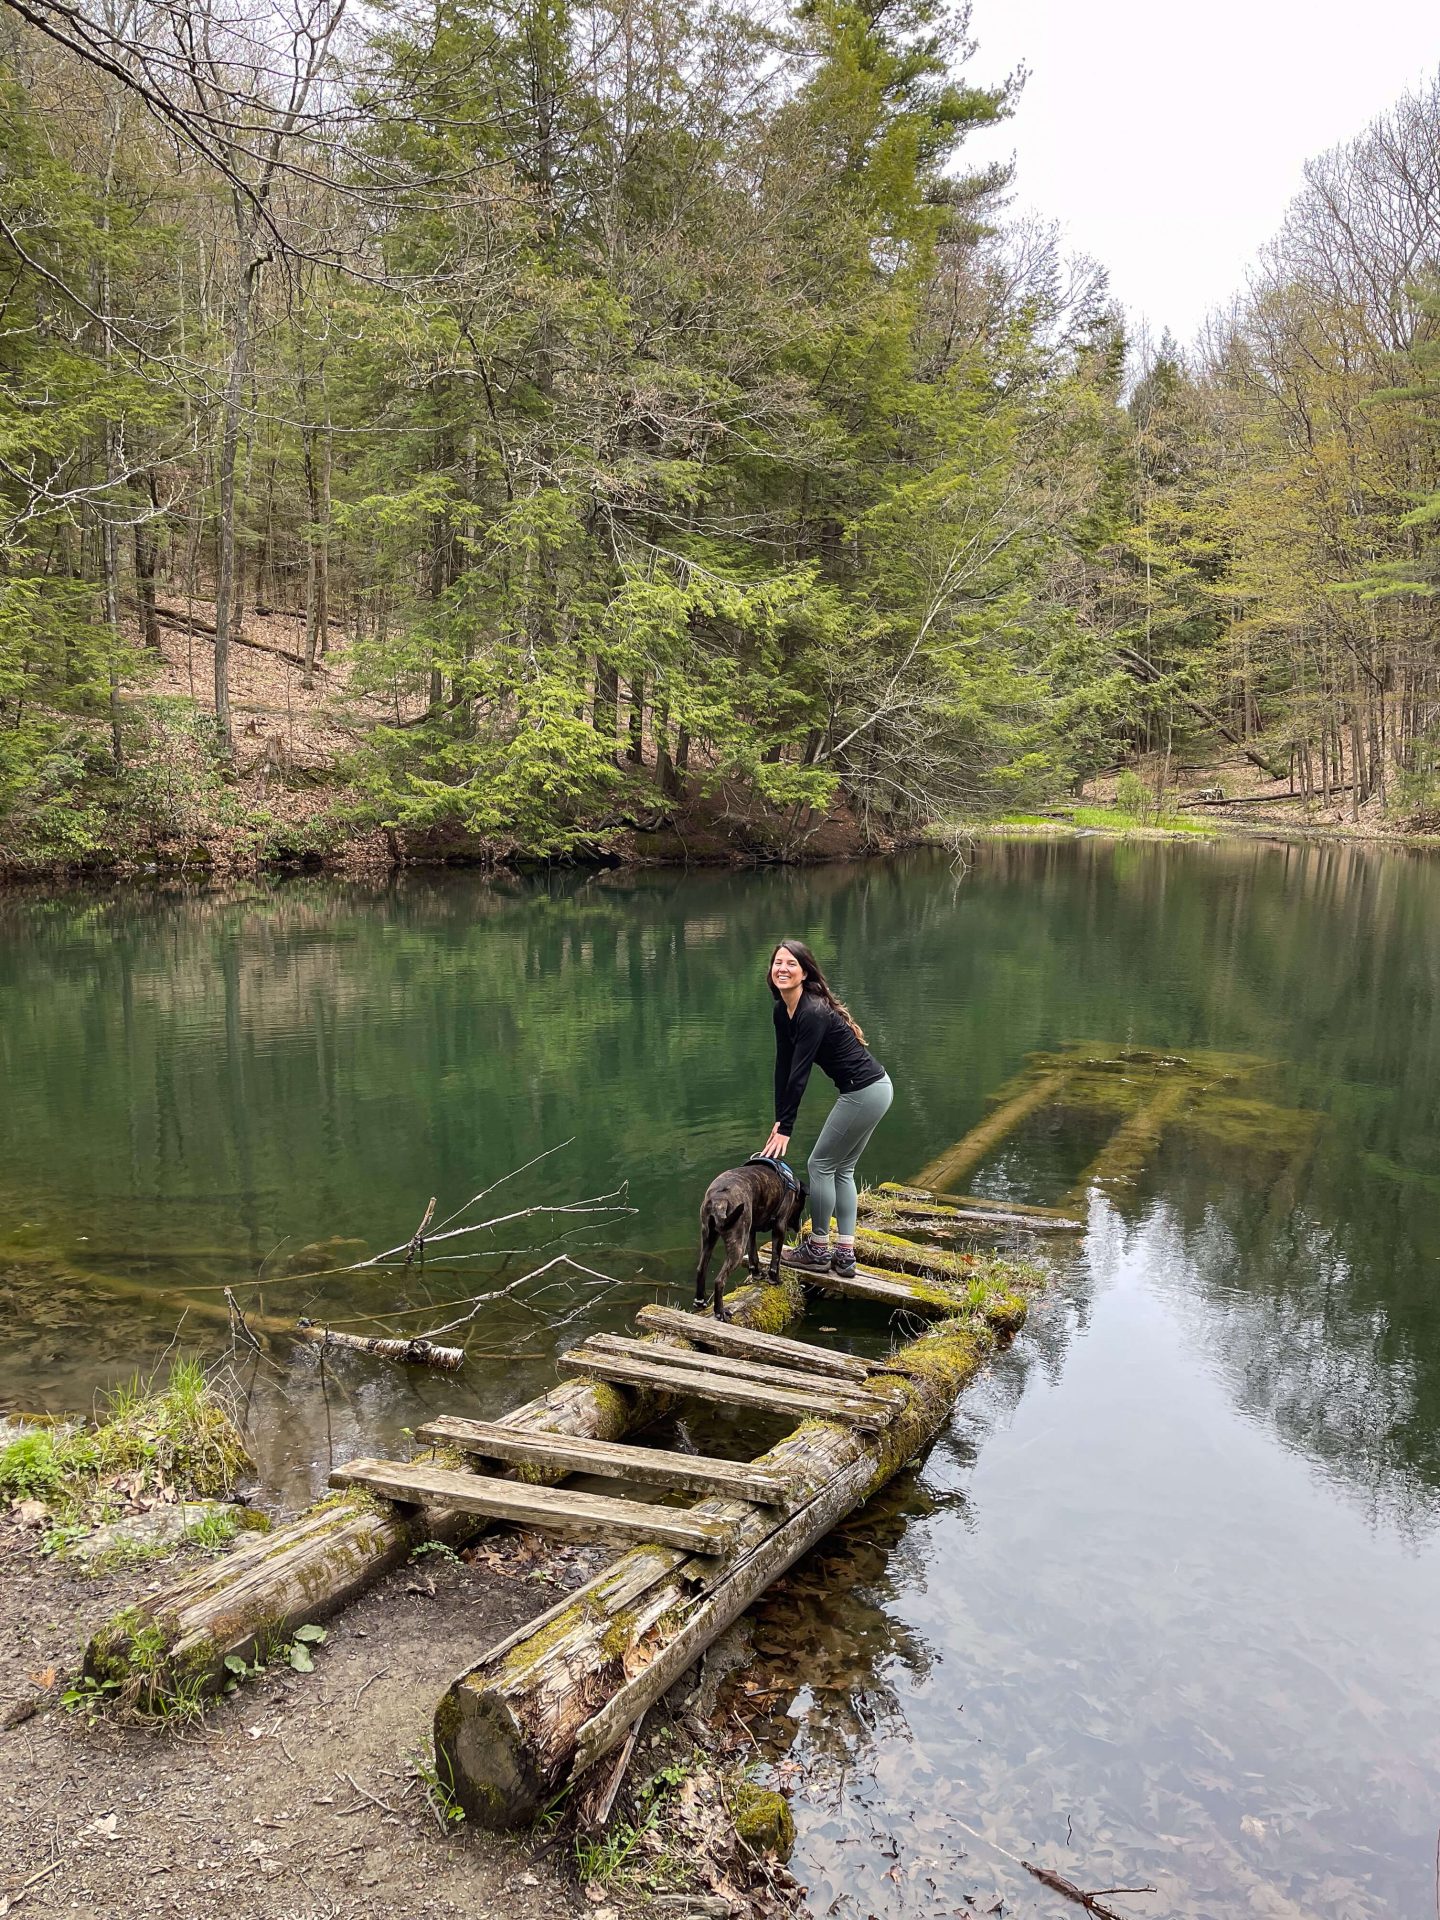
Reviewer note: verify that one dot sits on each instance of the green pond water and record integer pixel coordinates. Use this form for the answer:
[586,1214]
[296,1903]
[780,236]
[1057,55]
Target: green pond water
[1162,1605]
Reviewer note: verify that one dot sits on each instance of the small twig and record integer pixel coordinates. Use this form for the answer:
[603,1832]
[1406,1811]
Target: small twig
[369,1683]
[417,1239]
[1091,1902]
[1055,1881]
[351,1781]
[34,1880]
[238,1322]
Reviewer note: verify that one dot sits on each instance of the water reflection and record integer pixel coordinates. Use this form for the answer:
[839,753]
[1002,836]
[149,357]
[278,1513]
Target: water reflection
[1162,1606]
[1113,1630]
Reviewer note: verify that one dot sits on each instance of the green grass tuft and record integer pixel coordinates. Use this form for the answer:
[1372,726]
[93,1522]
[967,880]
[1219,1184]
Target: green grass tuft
[182,1435]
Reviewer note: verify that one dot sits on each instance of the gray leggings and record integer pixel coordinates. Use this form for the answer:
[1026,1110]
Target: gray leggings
[833,1158]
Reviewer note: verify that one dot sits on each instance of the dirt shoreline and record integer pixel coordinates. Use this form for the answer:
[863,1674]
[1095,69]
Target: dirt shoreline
[293,1797]
[299,1797]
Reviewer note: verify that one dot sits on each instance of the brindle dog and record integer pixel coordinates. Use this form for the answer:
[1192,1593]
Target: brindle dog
[738,1206]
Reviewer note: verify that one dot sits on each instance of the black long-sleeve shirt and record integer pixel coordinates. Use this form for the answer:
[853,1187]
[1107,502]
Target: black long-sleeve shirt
[816,1036]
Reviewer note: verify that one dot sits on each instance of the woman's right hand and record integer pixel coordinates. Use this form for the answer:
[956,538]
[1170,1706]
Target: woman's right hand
[775,1147]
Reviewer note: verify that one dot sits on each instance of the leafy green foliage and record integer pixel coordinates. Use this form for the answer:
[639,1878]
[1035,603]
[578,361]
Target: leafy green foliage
[686,437]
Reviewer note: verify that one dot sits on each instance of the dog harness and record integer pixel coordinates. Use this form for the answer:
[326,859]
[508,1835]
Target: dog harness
[785,1172]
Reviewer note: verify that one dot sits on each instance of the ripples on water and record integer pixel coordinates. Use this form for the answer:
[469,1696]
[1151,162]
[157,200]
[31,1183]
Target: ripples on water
[1160,1606]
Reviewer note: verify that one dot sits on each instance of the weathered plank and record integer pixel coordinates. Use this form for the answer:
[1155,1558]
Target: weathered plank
[931,1301]
[697,1473]
[691,1383]
[730,1368]
[590,1515]
[977,1203]
[891,1252]
[553,1699]
[909,1216]
[720,1336]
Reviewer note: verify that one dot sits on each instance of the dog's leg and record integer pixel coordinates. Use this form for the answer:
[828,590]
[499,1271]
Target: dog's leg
[709,1234]
[777,1240]
[721,1278]
[753,1258]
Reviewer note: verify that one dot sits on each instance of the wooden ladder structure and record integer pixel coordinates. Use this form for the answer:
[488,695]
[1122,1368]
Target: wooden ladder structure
[723,1365]
[689,1357]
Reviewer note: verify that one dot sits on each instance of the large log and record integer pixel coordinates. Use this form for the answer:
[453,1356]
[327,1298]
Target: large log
[551,1701]
[956,1161]
[318,1563]
[973,1202]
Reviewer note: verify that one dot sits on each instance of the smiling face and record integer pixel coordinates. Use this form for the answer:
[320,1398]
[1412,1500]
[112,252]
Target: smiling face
[786,972]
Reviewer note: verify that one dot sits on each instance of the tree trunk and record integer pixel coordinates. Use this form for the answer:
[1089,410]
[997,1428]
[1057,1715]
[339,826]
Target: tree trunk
[227,595]
[145,575]
[606,715]
[317,586]
[664,765]
[548,1703]
[635,752]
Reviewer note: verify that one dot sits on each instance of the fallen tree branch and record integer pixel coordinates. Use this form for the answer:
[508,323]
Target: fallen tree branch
[187,623]
[1091,1902]
[420,1351]
[599,1203]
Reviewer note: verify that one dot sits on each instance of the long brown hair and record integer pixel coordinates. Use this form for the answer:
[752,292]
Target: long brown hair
[815,982]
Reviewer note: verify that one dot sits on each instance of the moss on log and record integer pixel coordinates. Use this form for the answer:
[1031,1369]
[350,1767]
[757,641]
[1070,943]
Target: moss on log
[177,1640]
[551,1701]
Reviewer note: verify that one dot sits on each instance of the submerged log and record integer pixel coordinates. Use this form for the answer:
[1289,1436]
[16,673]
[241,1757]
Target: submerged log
[1134,1140]
[967,1153]
[318,1563]
[552,1700]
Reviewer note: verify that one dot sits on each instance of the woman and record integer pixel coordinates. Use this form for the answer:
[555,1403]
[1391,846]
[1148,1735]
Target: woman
[813,1028]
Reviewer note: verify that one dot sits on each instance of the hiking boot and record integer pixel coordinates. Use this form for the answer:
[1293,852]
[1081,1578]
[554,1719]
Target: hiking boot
[809,1256]
[842,1263]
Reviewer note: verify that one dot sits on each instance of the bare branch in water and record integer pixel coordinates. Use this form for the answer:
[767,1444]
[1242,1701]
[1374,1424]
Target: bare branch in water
[598,1203]
[513,1173]
[417,1239]
[500,1293]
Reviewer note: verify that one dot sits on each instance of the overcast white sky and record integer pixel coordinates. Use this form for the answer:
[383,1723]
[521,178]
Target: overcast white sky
[1168,139]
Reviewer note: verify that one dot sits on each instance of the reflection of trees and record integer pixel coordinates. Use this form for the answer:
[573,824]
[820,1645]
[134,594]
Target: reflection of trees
[1326,1331]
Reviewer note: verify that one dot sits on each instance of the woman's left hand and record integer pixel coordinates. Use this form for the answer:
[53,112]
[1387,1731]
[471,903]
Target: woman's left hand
[775,1147]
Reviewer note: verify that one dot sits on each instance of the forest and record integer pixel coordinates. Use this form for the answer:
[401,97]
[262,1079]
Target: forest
[595,412]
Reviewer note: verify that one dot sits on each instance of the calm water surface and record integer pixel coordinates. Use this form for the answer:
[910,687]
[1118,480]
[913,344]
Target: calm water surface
[1163,1604]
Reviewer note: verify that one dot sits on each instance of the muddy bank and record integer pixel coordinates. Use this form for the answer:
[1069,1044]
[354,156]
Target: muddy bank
[300,1794]
[304,1793]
